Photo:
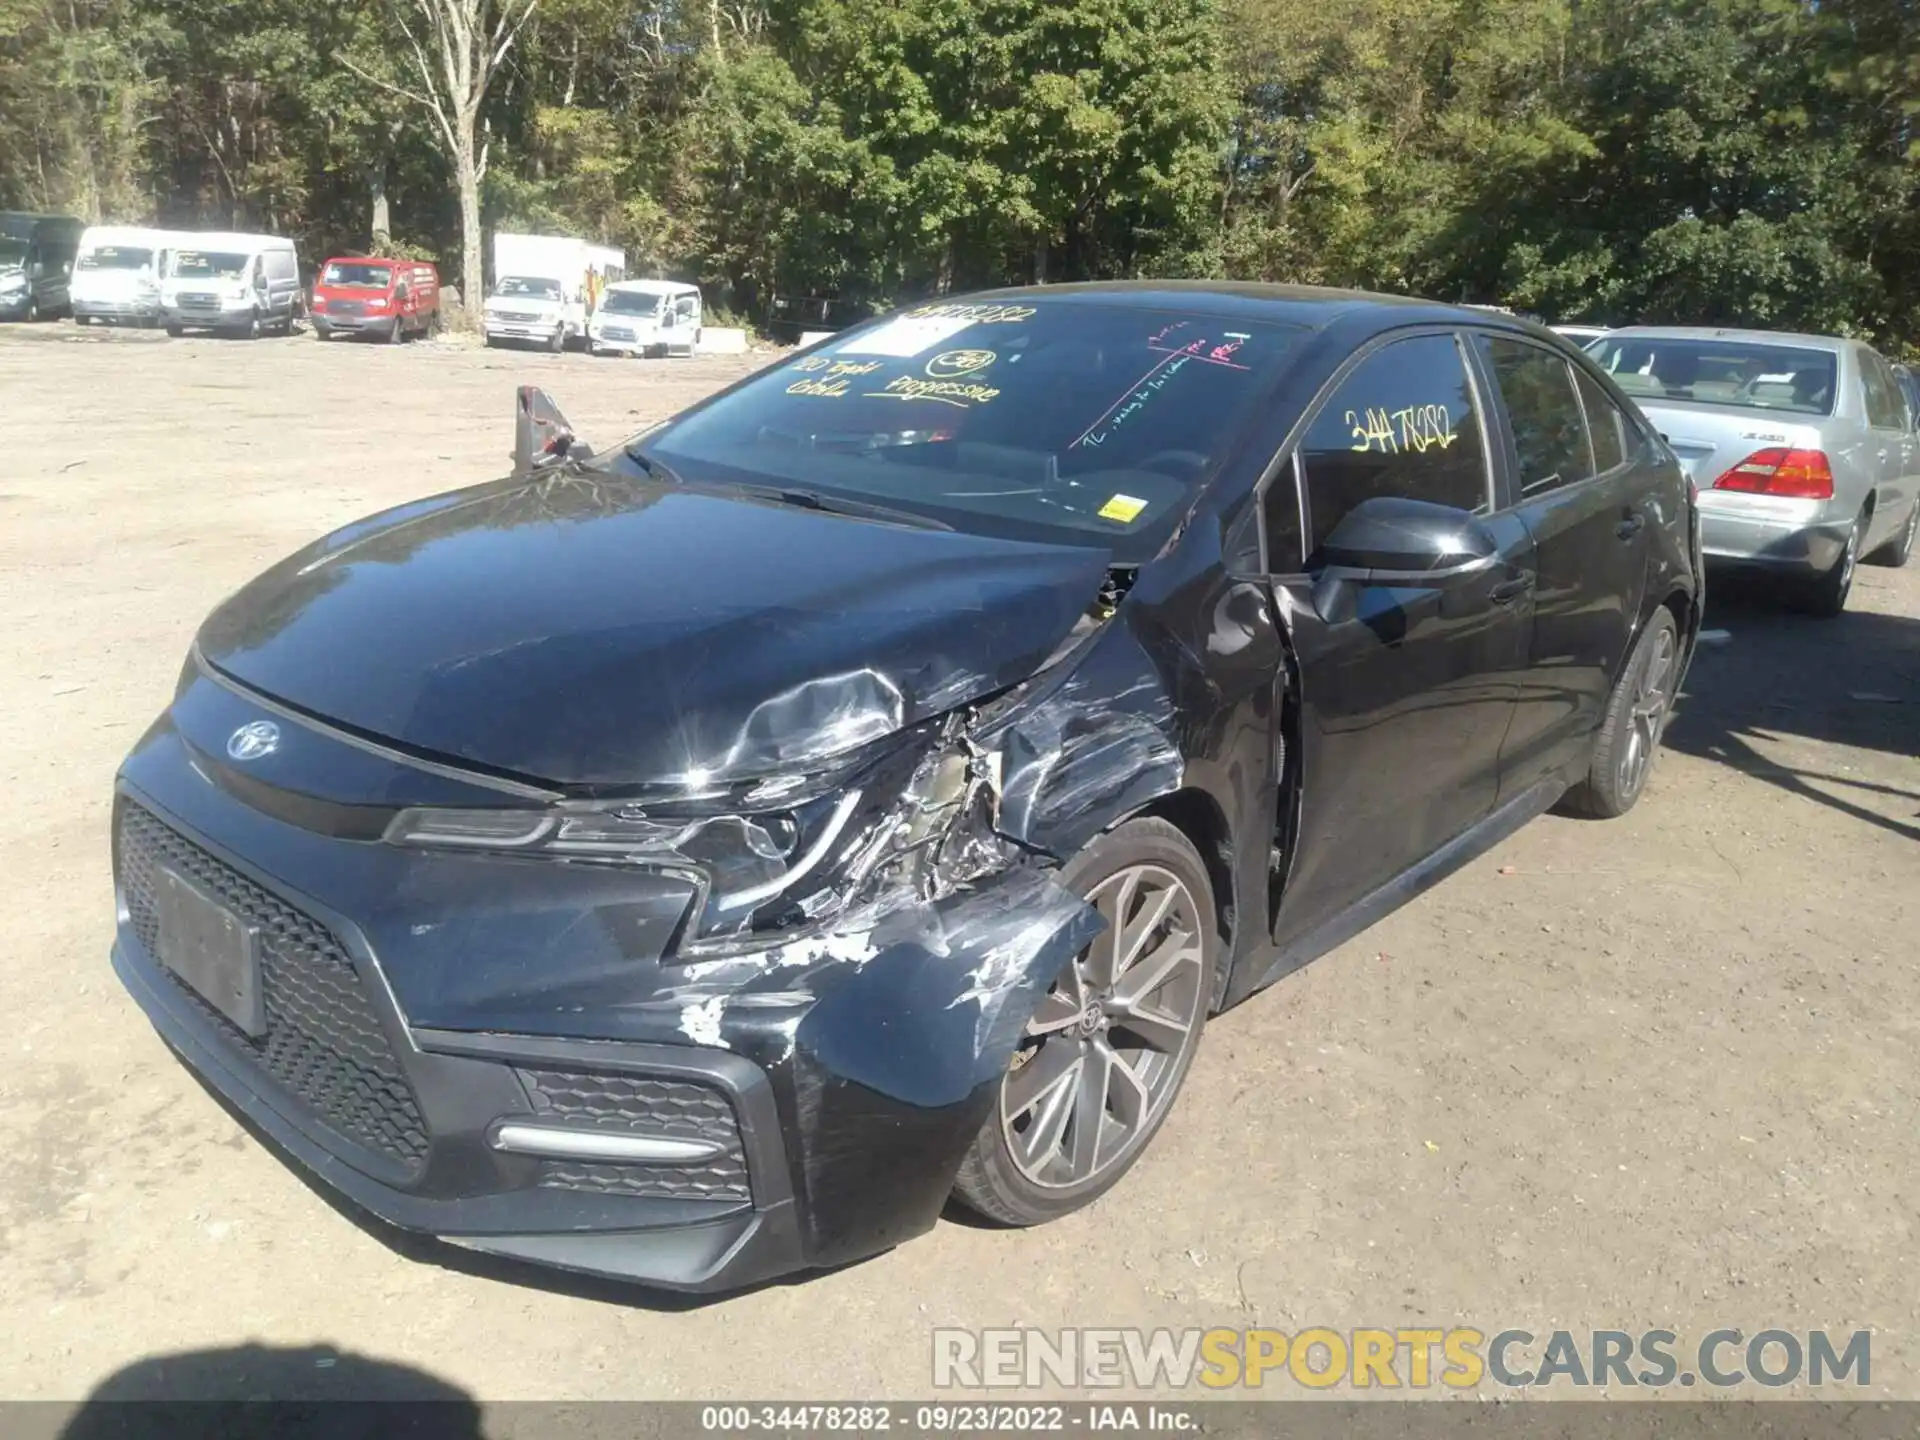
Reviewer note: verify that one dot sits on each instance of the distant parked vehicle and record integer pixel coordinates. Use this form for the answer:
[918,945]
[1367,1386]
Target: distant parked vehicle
[36,263]
[116,277]
[1909,386]
[1803,446]
[646,317]
[546,287]
[388,299]
[1581,334]
[232,284]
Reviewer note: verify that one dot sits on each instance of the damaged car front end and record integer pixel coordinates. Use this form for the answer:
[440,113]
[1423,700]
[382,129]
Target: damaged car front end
[684,866]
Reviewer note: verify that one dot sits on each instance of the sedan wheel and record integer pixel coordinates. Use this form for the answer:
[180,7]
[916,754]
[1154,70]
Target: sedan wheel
[1647,714]
[1108,1046]
[1633,725]
[1827,596]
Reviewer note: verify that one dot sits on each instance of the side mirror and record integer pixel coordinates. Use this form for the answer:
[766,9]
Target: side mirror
[542,436]
[1391,536]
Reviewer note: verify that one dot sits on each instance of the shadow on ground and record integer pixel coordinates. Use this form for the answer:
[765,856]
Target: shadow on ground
[261,1392]
[1851,681]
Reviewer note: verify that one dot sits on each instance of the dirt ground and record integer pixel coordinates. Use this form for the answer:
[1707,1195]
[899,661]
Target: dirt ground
[1658,1072]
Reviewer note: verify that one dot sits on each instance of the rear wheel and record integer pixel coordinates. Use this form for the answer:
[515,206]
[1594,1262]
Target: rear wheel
[1826,597]
[1899,550]
[1636,719]
[1110,1043]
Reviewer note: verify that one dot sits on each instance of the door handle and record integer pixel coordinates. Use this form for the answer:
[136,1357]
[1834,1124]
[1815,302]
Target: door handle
[1631,526]
[1508,591]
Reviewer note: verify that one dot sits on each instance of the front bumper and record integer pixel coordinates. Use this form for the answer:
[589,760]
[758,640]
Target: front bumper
[635,342]
[328,323]
[121,310]
[13,305]
[200,317]
[513,330]
[1794,536]
[416,1002]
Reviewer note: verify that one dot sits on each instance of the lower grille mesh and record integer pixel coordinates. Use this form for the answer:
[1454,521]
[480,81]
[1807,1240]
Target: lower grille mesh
[632,1104]
[323,1042]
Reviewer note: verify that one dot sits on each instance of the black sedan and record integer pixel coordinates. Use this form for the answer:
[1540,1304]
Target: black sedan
[699,861]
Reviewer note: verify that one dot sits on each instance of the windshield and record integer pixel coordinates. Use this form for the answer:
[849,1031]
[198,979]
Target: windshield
[13,253]
[1073,422]
[210,265]
[365,277]
[628,302]
[1742,374]
[115,257]
[520,285]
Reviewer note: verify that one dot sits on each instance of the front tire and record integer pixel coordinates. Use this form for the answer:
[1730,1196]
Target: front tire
[1636,719]
[1102,1060]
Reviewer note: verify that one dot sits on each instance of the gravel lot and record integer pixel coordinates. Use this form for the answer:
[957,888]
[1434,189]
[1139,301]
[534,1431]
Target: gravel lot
[1658,1072]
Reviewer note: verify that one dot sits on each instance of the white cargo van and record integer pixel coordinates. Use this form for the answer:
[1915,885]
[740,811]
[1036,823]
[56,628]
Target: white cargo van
[646,317]
[236,284]
[545,287]
[116,275]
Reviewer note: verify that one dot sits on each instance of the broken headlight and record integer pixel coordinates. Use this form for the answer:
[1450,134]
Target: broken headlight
[915,818]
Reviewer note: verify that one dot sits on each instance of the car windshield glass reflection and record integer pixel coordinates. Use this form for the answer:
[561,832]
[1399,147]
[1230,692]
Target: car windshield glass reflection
[1085,423]
[116,257]
[621,302]
[521,287]
[209,265]
[369,277]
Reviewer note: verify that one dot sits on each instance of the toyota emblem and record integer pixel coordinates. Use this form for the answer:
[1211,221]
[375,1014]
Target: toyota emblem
[252,741]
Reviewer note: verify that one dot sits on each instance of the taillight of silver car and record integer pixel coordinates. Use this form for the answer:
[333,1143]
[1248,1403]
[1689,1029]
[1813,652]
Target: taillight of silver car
[1791,474]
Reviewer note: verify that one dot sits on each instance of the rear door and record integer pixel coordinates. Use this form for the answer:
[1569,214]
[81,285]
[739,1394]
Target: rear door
[1581,497]
[1891,449]
[1406,691]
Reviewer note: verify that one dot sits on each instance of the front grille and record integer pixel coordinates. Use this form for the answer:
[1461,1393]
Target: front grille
[346,307]
[616,332]
[633,1104]
[323,1042]
[197,301]
[515,317]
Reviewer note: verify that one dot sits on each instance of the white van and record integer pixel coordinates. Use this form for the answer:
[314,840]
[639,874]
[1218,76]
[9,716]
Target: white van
[238,284]
[545,288]
[116,275]
[646,317]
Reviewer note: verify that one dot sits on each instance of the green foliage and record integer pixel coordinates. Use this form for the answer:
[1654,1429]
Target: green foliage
[808,160]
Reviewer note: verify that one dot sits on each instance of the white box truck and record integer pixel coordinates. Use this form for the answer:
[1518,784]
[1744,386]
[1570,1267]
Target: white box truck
[545,288]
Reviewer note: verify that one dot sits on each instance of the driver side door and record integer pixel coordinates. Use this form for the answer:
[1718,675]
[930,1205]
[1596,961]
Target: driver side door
[1407,682]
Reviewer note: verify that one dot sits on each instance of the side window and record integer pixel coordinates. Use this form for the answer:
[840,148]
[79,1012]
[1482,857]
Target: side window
[1606,426]
[1886,407]
[1403,423]
[1549,430]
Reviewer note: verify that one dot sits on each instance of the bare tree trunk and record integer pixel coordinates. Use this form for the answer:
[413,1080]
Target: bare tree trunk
[382,214]
[1040,262]
[473,284]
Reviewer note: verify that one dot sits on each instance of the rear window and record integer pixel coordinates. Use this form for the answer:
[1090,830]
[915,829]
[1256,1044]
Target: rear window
[1059,420]
[1735,373]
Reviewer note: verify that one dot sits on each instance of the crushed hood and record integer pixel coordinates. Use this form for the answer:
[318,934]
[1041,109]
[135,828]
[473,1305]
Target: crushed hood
[590,630]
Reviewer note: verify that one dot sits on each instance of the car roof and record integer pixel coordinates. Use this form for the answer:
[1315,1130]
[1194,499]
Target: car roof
[652,287]
[1835,343]
[232,240]
[1307,306]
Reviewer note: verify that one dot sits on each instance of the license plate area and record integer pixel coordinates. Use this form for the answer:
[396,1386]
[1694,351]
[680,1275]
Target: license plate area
[211,949]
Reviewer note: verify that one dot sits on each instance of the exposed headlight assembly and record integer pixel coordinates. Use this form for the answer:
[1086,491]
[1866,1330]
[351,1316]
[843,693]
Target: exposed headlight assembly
[772,856]
[12,281]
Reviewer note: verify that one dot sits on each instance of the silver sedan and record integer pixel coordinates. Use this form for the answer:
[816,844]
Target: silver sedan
[1803,447]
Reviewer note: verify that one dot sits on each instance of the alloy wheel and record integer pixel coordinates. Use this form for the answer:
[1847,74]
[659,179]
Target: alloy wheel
[1647,716]
[1108,1043]
[1849,560]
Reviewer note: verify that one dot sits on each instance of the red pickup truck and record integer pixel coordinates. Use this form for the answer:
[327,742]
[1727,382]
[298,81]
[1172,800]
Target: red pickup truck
[388,298]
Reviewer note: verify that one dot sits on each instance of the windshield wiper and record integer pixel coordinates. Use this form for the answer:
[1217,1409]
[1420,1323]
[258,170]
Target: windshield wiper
[656,469]
[844,505]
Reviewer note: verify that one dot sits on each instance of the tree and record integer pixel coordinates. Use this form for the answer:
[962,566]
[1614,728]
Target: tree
[452,51]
